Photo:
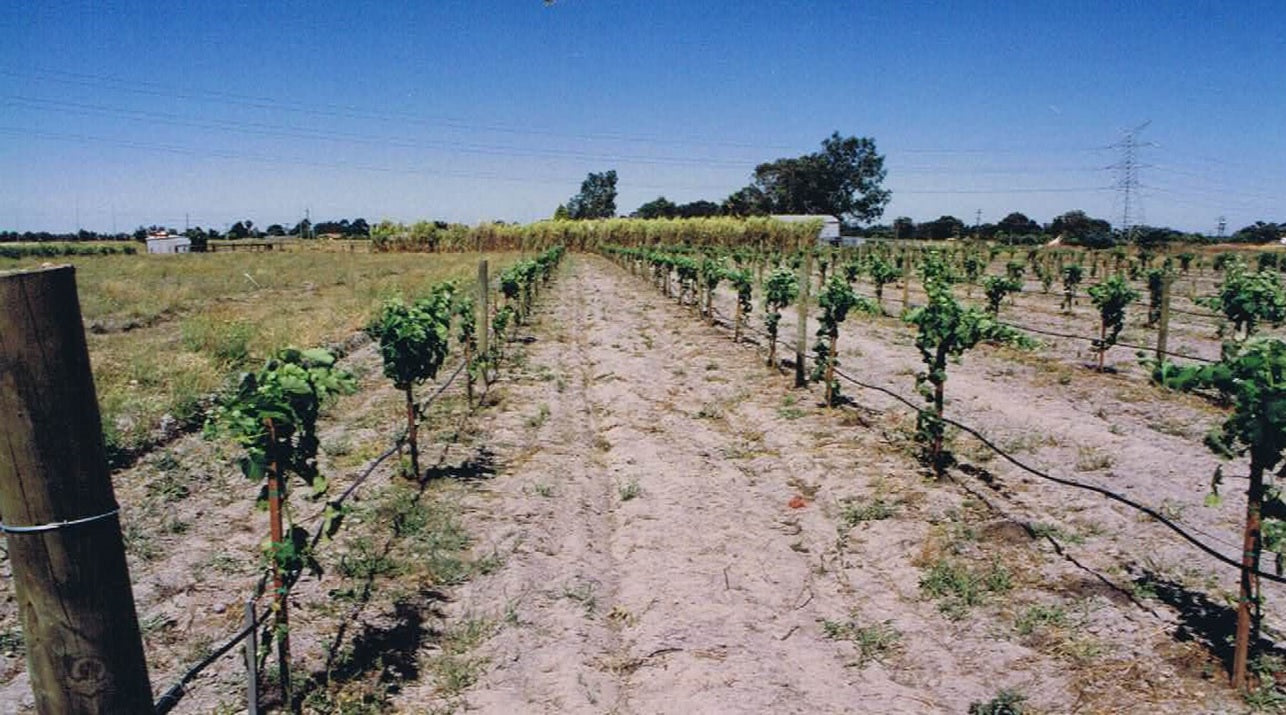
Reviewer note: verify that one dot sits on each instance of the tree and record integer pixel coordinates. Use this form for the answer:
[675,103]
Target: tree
[200,241]
[944,227]
[697,209]
[843,180]
[276,230]
[560,213]
[597,197]
[1152,237]
[660,207]
[1259,232]
[1017,223]
[1076,227]
[746,201]
[903,227]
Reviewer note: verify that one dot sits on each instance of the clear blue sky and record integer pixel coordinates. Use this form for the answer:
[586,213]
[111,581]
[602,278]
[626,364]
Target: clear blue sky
[126,113]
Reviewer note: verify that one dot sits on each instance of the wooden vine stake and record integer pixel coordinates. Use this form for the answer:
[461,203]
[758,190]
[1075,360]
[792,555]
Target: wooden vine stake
[252,661]
[736,324]
[484,311]
[801,328]
[1249,378]
[1248,598]
[906,283]
[280,604]
[84,652]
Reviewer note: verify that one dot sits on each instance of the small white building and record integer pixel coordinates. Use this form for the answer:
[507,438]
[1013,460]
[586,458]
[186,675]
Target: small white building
[829,235]
[167,243]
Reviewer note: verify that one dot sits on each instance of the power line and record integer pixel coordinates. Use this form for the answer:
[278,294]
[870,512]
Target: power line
[156,89]
[1015,190]
[1273,193]
[266,129]
[275,160]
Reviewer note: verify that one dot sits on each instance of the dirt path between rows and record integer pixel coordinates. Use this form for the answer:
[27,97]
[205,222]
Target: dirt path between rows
[678,531]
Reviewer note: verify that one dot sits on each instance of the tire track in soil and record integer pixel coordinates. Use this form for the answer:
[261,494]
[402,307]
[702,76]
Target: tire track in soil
[559,567]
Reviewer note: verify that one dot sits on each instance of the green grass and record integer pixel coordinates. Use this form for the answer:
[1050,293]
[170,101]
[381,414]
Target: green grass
[957,587]
[853,512]
[874,642]
[629,490]
[167,331]
[1006,702]
[11,641]
[1040,616]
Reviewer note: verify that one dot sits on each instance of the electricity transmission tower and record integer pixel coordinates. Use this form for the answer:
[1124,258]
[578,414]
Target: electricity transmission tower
[1127,177]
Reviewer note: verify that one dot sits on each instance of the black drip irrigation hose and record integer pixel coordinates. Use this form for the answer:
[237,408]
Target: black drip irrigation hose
[1155,515]
[1195,313]
[1070,336]
[400,441]
[171,697]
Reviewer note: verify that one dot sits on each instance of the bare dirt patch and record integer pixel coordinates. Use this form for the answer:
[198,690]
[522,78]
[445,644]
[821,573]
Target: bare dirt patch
[685,533]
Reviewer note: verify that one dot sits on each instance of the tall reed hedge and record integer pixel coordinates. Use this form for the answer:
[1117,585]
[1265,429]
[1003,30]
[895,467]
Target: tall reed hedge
[753,232]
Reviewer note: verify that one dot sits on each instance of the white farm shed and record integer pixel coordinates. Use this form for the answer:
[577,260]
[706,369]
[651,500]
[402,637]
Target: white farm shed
[168,244]
[829,235]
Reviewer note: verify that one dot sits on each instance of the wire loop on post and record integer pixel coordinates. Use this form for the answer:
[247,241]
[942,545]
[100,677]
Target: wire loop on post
[54,526]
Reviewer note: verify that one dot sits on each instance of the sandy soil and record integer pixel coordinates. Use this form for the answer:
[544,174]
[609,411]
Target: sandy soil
[645,519]
[1113,430]
[193,537]
[685,533]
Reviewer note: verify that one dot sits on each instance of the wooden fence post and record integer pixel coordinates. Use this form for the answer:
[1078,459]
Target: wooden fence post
[84,652]
[1163,323]
[484,307]
[801,330]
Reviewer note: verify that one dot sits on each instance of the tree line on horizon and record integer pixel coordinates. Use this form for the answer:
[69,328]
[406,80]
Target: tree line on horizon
[843,179]
[244,229]
[1073,227]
